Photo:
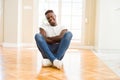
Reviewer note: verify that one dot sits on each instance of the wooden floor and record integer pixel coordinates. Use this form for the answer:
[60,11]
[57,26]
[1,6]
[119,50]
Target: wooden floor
[25,64]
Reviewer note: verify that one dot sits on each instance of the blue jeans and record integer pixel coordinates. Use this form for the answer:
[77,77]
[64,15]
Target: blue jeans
[53,51]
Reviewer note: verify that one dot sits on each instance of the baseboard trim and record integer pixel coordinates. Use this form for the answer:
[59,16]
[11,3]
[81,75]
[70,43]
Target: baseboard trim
[28,45]
[106,50]
[34,45]
[81,47]
[18,45]
[9,44]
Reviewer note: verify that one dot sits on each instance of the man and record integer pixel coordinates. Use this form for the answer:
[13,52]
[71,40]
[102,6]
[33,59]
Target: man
[53,41]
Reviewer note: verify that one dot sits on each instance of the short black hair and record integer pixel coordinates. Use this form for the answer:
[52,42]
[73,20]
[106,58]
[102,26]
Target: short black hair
[49,11]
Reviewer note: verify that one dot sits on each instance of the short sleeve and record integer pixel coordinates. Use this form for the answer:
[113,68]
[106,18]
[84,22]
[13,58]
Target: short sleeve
[44,26]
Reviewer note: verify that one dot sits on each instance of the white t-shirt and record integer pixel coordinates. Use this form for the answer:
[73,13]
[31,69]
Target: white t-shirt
[52,30]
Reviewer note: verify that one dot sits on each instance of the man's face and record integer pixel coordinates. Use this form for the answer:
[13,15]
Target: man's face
[51,17]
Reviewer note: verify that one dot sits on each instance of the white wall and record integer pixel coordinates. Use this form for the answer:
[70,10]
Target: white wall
[18,23]
[10,21]
[108,24]
[1,21]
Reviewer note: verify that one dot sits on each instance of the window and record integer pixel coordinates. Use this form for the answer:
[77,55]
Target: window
[69,13]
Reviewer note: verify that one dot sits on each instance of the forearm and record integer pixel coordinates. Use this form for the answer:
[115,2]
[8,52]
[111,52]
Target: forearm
[55,38]
[58,37]
[51,40]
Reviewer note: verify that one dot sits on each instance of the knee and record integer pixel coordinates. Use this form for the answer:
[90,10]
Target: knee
[38,37]
[68,35]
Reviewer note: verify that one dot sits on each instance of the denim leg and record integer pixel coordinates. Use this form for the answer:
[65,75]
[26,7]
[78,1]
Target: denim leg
[53,47]
[42,52]
[43,47]
[63,46]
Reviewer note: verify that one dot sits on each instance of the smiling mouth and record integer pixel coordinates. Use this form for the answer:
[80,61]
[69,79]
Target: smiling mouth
[52,23]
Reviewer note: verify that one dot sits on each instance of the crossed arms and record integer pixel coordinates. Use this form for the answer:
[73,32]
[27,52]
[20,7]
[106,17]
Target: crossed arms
[55,39]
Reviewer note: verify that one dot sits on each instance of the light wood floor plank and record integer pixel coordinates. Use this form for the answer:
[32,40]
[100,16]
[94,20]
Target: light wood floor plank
[24,64]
